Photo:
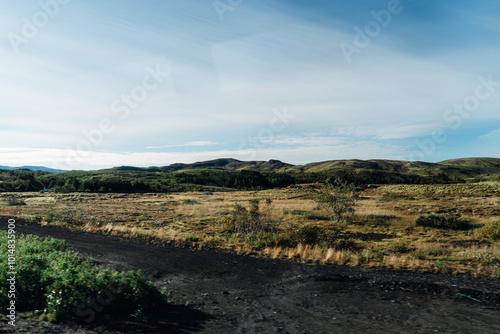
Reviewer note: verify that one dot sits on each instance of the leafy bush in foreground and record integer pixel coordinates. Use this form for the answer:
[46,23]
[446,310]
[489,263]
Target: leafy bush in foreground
[57,282]
[490,230]
[444,221]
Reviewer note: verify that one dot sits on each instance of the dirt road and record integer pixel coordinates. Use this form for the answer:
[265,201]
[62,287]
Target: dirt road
[217,292]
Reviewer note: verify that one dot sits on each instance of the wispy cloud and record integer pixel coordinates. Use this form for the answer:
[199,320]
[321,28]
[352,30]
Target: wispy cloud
[406,131]
[401,131]
[98,159]
[227,77]
[492,135]
[193,143]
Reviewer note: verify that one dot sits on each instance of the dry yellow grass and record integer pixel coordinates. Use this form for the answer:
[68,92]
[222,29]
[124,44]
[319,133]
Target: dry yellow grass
[196,217]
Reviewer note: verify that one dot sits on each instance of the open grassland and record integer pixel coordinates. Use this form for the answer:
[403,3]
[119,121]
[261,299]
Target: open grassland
[287,224]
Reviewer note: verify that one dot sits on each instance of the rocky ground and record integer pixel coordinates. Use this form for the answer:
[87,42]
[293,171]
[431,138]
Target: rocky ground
[215,292]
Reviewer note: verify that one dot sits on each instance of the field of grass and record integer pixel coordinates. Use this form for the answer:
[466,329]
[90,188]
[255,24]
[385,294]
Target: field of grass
[287,224]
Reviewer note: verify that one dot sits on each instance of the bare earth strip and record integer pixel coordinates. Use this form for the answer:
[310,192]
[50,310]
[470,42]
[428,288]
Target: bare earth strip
[216,292]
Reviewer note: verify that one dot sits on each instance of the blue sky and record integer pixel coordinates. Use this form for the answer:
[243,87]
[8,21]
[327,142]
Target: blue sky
[95,84]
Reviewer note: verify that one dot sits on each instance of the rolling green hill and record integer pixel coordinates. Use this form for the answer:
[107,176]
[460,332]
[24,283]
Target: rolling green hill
[232,174]
[473,167]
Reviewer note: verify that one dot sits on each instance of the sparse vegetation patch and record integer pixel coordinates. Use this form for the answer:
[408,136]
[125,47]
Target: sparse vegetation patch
[490,230]
[410,231]
[444,221]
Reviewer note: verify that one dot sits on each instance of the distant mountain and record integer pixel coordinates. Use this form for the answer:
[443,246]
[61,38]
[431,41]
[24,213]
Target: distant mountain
[220,164]
[456,169]
[40,168]
[452,170]
[370,171]
[493,163]
[232,174]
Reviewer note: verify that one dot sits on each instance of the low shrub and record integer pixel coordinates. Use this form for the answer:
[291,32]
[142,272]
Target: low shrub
[380,216]
[307,214]
[189,237]
[444,221]
[14,201]
[261,240]
[190,201]
[251,221]
[373,219]
[390,197]
[295,212]
[427,253]
[442,265]
[489,230]
[400,247]
[345,244]
[55,281]
[307,235]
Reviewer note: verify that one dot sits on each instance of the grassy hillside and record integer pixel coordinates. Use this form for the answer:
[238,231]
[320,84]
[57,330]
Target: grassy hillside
[233,164]
[232,174]
[491,163]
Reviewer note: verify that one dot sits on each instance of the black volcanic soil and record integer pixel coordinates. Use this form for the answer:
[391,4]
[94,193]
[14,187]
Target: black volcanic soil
[216,292]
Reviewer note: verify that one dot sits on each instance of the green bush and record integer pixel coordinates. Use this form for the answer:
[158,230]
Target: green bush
[55,281]
[400,247]
[489,230]
[190,237]
[390,197]
[338,199]
[306,234]
[14,201]
[444,221]
[250,221]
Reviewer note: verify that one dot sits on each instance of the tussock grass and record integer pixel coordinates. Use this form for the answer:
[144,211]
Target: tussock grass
[380,234]
[490,230]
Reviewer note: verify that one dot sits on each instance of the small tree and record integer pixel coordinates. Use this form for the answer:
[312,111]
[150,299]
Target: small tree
[251,221]
[338,199]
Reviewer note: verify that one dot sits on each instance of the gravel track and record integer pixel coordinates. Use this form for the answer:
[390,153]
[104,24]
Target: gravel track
[216,292]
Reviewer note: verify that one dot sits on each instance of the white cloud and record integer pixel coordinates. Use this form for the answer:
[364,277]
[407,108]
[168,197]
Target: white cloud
[406,131]
[492,135]
[193,143]
[380,131]
[70,159]
[303,141]
[226,79]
